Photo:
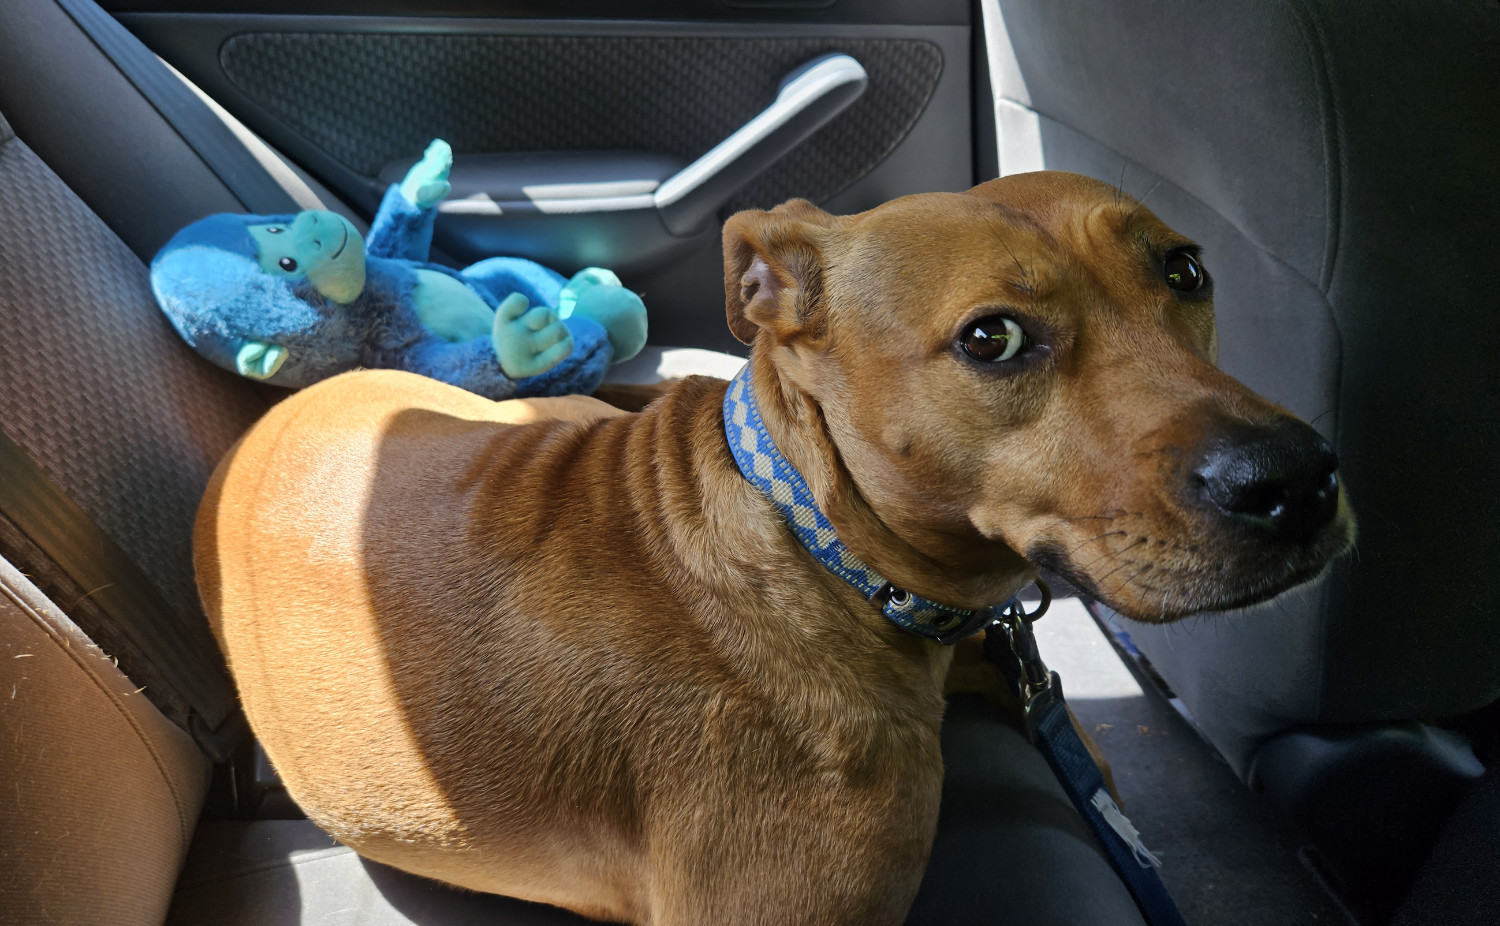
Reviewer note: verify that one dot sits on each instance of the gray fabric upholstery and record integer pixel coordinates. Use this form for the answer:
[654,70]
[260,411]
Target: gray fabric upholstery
[1460,884]
[94,384]
[275,872]
[97,387]
[1010,848]
[1337,160]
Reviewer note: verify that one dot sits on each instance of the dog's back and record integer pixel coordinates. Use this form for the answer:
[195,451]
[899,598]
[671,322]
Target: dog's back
[327,554]
[499,656]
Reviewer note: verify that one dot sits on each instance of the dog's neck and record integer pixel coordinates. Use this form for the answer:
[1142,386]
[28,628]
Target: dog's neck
[948,563]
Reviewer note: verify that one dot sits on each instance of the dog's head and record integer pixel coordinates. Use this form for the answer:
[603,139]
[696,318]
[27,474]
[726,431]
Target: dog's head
[1029,367]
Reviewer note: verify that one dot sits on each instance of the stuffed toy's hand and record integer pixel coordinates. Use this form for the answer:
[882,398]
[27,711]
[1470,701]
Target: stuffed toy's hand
[426,183]
[529,341]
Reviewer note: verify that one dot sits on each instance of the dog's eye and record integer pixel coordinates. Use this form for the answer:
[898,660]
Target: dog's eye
[993,339]
[287,264]
[1182,271]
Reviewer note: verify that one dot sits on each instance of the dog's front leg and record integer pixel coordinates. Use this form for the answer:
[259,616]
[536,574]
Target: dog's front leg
[844,845]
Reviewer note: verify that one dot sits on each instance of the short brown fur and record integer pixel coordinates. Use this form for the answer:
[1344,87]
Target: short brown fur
[552,650]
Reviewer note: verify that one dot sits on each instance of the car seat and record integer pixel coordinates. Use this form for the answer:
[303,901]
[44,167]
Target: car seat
[113,428]
[1338,163]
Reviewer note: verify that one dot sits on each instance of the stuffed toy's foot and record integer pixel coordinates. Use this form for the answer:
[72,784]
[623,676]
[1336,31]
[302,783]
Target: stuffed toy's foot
[529,341]
[597,293]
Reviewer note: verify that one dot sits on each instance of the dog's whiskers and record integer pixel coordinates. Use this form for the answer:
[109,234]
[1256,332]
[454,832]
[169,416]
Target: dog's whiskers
[1123,563]
[1026,283]
[1099,559]
[1094,539]
[1132,578]
[1141,203]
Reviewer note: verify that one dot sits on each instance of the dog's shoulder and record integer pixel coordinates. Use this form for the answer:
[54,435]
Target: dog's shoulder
[385,393]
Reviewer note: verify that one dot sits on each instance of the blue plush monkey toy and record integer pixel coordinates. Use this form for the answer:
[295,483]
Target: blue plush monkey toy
[293,299]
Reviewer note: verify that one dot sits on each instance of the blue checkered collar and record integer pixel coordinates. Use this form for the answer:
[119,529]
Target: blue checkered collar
[774,475]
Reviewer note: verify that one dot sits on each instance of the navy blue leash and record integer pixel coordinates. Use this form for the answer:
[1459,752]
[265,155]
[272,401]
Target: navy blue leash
[1009,644]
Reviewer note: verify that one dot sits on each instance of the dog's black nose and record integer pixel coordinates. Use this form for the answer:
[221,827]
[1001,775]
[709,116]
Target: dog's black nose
[1280,480]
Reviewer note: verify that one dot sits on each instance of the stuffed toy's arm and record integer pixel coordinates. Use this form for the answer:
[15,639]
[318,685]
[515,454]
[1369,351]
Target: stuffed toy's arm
[403,226]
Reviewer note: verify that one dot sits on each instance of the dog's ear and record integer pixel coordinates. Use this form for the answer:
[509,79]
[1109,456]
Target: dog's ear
[773,270]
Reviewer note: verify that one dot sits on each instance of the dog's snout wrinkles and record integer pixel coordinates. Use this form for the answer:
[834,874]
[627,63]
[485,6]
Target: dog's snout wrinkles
[1280,480]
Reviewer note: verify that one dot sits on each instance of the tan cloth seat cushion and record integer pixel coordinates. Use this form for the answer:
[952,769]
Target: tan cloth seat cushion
[99,793]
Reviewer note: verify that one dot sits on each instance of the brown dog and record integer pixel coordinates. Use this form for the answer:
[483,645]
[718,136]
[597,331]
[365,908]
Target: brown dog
[583,661]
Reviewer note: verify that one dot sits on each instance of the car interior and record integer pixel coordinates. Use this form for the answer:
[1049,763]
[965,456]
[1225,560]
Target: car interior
[1337,161]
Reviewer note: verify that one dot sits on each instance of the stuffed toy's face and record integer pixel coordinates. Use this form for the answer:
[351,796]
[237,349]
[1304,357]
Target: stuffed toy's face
[265,296]
[322,247]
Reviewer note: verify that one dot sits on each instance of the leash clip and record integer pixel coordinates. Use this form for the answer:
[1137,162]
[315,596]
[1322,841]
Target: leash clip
[967,627]
[1010,644]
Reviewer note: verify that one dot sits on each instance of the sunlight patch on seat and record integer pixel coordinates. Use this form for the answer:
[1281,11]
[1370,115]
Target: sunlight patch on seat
[1075,648]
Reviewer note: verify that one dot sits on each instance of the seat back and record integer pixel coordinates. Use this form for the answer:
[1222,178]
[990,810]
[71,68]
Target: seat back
[1337,161]
[103,792]
[105,405]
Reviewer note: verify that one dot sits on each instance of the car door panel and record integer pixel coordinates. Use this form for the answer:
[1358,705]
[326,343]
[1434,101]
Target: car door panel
[349,96]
